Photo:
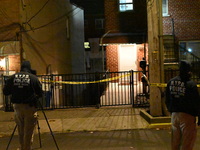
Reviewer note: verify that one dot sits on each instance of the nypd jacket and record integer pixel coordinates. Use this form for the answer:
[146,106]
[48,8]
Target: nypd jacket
[22,87]
[182,96]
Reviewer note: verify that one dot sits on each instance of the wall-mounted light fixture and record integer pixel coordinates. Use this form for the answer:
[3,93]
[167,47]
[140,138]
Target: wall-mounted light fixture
[2,63]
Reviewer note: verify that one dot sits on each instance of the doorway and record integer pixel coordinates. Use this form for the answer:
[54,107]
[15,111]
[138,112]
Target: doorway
[127,55]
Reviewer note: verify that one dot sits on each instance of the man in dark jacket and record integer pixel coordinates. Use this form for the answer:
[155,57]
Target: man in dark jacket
[183,102]
[24,88]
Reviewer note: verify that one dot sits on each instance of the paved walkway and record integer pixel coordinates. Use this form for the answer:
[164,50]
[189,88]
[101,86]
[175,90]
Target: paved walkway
[82,119]
[109,128]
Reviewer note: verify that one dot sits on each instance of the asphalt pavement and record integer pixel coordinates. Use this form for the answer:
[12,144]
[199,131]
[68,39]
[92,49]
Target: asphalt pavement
[143,139]
[107,140]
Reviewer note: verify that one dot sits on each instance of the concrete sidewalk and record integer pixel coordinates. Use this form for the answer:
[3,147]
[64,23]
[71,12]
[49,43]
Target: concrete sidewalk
[144,139]
[82,119]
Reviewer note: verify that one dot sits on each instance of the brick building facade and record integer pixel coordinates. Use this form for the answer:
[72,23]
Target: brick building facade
[181,22]
[112,58]
[119,27]
[125,28]
[186,20]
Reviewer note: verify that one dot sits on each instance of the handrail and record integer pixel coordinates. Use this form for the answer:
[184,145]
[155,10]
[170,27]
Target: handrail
[193,55]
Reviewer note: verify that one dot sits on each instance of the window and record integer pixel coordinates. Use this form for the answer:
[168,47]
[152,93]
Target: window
[165,7]
[125,5]
[99,23]
[191,47]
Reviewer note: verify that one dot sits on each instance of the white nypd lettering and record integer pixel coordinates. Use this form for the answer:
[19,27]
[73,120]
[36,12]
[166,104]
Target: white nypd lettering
[21,80]
[177,88]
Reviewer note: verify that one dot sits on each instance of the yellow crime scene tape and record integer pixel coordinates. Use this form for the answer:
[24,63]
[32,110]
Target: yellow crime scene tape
[105,80]
[87,82]
[159,84]
[164,84]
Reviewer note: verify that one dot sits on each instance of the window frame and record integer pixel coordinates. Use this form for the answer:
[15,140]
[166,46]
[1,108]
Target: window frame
[165,7]
[99,23]
[187,46]
[124,4]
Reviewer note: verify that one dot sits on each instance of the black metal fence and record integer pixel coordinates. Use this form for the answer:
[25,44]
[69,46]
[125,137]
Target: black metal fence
[91,89]
[94,89]
[170,73]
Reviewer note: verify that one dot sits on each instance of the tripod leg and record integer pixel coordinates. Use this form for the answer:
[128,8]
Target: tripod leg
[11,137]
[39,134]
[49,126]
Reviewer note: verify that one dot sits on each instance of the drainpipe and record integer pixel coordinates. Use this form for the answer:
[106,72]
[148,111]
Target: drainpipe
[102,50]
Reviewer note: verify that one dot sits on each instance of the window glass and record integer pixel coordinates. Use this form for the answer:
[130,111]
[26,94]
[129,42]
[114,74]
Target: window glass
[126,1]
[194,47]
[165,7]
[190,46]
[125,5]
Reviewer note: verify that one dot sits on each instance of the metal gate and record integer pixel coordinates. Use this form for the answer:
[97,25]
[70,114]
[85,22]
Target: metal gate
[91,89]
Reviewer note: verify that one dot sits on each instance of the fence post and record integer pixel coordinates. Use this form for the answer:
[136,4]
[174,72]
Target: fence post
[97,85]
[132,87]
[52,103]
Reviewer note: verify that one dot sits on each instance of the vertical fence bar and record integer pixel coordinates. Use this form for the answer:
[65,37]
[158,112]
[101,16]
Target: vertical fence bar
[132,87]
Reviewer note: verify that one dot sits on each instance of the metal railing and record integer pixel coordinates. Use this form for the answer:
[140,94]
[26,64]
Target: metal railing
[170,73]
[194,60]
[91,89]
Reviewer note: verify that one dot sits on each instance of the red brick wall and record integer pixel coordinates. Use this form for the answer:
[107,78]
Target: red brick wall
[125,22]
[186,15]
[112,58]
[14,63]
[128,22]
[111,15]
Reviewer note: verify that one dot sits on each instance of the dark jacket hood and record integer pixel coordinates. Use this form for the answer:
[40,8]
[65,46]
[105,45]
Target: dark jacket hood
[184,68]
[26,66]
